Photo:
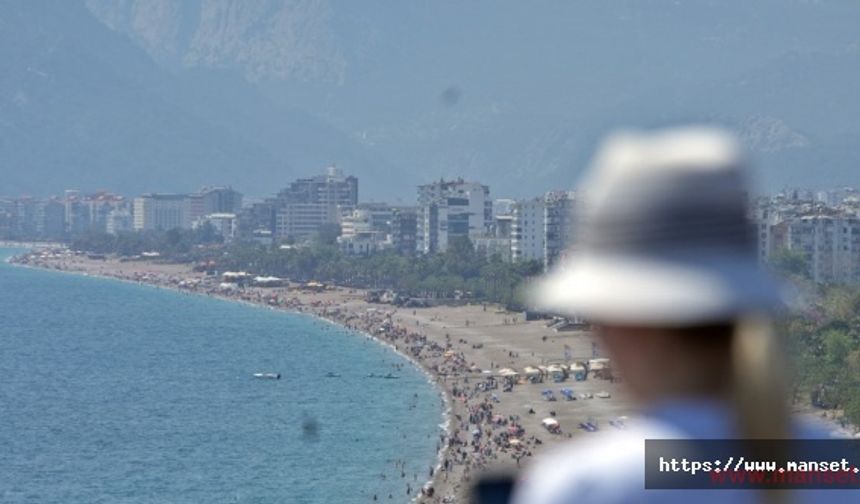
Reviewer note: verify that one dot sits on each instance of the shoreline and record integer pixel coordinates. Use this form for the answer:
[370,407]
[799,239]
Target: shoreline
[460,350]
[447,412]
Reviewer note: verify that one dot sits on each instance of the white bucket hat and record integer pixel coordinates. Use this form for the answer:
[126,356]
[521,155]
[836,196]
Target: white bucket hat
[664,237]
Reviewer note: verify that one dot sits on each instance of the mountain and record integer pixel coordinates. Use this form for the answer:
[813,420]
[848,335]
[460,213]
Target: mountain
[511,93]
[83,106]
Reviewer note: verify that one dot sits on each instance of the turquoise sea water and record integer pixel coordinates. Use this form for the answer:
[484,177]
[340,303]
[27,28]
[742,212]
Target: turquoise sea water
[119,393]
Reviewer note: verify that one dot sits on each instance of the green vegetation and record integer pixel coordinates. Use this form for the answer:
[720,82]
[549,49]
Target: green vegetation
[177,244]
[460,271]
[790,262]
[824,342]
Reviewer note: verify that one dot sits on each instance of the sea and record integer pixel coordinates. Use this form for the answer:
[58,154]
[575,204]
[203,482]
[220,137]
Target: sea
[113,392]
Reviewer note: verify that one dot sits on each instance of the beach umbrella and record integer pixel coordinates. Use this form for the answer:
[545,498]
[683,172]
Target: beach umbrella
[549,422]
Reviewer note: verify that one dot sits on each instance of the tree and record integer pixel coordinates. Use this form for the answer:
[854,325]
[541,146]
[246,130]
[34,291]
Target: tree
[790,262]
[207,234]
[461,258]
[327,234]
[852,410]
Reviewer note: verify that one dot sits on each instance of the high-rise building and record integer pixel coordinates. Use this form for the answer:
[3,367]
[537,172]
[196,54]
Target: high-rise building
[503,206]
[370,217]
[559,226]
[402,229]
[77,213]
[26,216]
[119,221]
[333,189]
[489,246]
[51,219]
[361,234]
[224,224]
[162,212]
[8,218]
[767,227]
[503,218]
[528,230]
[31,219]
[830,245]
[257,216]
[100,205]
[298,221]
[449,209]
[503,226]
[380,215]
[219,200]
[310,203]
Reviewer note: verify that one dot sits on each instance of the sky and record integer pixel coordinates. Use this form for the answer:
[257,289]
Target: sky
[155,95]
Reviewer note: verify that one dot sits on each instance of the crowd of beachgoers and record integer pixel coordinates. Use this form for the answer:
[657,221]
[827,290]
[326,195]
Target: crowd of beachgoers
[479,435]
[485,428]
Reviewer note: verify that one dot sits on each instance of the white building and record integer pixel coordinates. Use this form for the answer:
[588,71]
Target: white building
[223,200]
[559,226]
[830,244]
[308,204]
[528,230]
[490,246]
[162,212]
[301,220]
[225,224]
[503,206]
[119,221]
[360,233]
[448,209]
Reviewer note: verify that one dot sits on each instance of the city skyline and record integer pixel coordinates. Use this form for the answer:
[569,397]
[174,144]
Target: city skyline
[540,228]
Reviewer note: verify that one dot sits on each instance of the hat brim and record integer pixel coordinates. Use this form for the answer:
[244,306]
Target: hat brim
[672,291]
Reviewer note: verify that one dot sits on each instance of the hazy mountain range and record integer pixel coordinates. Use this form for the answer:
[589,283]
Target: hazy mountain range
[138,95]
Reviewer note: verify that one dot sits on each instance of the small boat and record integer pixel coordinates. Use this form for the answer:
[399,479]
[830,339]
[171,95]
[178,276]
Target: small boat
[390,376]
[332,375]
[268,376]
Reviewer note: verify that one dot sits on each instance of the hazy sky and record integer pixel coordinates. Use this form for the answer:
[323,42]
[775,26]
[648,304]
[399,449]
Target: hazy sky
[137,95]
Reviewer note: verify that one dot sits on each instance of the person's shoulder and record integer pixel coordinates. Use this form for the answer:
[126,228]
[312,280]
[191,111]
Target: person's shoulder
[603,467]
[609,467]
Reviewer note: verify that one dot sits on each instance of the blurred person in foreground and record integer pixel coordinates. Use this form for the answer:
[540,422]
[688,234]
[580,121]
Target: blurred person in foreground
[666,271]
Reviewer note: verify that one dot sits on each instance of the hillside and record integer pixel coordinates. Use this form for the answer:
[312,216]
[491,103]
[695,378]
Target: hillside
[144,93]
[83,106]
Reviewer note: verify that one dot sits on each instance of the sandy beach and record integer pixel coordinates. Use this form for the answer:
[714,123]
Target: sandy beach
[494,423]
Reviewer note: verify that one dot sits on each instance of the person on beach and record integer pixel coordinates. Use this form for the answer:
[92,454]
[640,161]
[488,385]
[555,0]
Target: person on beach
[665,268]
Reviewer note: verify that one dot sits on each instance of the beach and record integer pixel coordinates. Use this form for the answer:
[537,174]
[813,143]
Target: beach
[495,420]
